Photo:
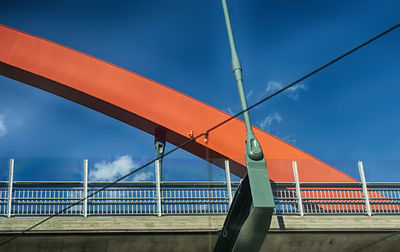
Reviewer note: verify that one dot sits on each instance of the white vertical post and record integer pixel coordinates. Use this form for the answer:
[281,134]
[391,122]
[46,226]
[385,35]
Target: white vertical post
[158,185]
[364,188]
[228,181]
[85,186]
[10,187]
[298,192]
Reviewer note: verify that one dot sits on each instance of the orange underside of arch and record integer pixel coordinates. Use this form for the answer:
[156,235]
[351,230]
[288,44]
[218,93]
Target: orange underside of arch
[126,96]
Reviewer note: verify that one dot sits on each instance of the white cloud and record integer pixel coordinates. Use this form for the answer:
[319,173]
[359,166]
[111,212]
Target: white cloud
[249,94]
[144,176]
[272,86]
[229,111]
[112,170]
[3,128]
[290,139]
[267,123]
[292,92]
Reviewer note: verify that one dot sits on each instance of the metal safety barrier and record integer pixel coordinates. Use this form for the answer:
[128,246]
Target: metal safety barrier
[127,198]
[34,198]
[336,198]
[193,198]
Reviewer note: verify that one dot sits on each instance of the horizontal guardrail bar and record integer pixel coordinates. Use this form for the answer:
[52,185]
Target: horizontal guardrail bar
[119,184]
[194,183]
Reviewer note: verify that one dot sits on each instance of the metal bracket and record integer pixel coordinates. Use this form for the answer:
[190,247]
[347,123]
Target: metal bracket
[249,216]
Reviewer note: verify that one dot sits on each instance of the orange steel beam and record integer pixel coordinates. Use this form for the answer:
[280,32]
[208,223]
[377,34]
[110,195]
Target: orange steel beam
[125,96]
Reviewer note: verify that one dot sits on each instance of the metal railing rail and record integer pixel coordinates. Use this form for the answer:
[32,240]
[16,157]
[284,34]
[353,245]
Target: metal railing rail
[44,198]
[33,198]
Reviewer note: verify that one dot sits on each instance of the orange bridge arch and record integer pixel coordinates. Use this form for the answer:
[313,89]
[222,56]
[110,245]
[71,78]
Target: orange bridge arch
[125,96]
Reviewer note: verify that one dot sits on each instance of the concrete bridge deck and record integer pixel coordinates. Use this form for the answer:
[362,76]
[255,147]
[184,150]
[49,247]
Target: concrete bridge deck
[199,233]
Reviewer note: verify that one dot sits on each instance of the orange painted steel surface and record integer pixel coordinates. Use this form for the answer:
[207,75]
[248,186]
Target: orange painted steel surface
[147,105]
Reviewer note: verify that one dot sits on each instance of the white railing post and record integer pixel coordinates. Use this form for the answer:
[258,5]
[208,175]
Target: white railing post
[85,186]
[158,186]
[298,192]
[364,188]
[228,181]
[10,187]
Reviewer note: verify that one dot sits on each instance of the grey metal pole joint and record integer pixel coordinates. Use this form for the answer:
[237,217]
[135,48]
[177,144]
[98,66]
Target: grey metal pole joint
[237,72]
[253,147]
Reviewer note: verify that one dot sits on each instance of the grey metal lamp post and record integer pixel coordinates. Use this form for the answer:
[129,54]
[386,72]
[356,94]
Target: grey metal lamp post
[249,216]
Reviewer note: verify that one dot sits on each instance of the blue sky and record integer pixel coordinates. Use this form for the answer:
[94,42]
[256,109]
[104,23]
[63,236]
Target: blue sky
[346,113]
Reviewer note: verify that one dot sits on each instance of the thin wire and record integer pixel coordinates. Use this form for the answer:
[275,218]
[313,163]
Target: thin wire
[306,76]
[206,133]
[100,190]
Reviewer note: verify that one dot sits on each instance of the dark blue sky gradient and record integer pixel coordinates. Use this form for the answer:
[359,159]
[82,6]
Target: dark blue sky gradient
[346,113]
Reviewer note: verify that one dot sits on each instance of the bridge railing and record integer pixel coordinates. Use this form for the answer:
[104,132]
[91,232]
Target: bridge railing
[24,198]
[337,198]
[193,198]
